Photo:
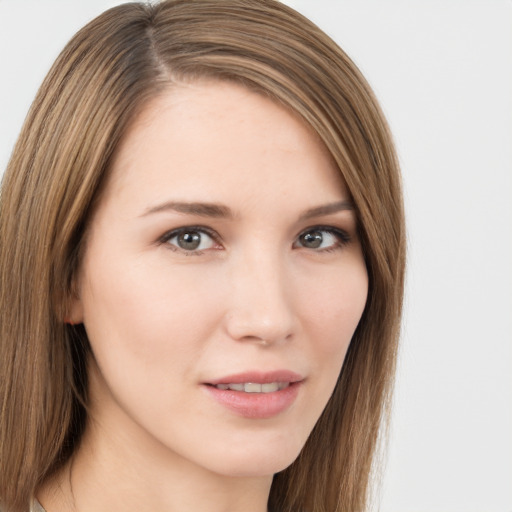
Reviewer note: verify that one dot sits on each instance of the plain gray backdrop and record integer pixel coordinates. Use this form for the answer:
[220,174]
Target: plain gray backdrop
[443,73]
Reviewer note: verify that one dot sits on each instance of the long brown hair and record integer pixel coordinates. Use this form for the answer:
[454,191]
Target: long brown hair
[98,84]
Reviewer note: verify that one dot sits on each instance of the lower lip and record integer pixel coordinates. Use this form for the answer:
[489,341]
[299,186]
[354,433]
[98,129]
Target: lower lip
[256,405]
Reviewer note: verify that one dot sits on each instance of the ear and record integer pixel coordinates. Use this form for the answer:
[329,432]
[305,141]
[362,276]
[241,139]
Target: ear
[74,311]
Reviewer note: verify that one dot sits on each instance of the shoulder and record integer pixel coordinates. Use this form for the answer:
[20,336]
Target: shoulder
[36,507]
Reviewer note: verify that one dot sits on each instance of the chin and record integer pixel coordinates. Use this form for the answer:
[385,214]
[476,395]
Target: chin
[256,460]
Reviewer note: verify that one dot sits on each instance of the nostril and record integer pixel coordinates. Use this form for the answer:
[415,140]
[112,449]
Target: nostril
[260,309]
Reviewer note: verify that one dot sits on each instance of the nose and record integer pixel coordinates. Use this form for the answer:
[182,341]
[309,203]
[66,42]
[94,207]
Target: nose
[261,304]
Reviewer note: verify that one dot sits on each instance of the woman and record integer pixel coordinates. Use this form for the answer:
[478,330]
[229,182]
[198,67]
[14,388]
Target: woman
[202,269]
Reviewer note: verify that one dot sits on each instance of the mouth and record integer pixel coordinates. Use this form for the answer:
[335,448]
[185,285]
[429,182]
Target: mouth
[253,387]
[256,395]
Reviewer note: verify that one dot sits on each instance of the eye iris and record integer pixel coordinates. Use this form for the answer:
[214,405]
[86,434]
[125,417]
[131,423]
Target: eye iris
[312,240]
[189,240]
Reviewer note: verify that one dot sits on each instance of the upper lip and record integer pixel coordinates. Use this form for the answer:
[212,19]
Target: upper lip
[259,377]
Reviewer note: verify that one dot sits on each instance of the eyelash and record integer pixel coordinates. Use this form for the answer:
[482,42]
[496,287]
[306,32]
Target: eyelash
[343,238]
[188,229]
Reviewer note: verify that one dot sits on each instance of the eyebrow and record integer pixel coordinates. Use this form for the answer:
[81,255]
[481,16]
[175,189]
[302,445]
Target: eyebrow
[327,209]
[200,209]
[221,211]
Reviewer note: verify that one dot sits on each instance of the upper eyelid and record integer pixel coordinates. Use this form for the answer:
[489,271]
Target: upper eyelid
[176,231]
[329,228]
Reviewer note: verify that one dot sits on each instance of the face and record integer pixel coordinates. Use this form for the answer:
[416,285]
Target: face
[221,284]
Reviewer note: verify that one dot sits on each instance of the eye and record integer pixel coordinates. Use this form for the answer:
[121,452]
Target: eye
[190,240]
[322,238]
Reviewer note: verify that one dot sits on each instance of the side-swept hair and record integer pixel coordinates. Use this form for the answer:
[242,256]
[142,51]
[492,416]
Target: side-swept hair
[99,83]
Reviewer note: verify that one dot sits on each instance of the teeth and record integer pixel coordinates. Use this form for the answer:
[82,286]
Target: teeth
[253,387]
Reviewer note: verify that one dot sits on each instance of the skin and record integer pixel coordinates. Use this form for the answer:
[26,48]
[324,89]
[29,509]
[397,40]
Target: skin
[163,320]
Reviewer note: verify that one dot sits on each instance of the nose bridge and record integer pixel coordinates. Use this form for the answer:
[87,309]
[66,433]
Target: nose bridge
[261,307]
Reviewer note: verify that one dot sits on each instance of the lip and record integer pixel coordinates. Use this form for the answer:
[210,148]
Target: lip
[256,405]
[258,377]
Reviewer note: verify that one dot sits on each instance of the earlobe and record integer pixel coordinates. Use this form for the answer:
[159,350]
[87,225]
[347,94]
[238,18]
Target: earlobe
[74,312]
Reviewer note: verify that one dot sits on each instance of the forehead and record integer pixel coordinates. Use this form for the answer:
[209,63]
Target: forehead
[194,137]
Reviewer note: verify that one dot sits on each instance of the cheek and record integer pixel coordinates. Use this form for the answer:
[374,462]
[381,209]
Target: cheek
[147,329]
[335,308]
[147,316]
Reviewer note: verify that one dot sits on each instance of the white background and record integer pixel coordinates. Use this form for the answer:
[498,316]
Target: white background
[443,73]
